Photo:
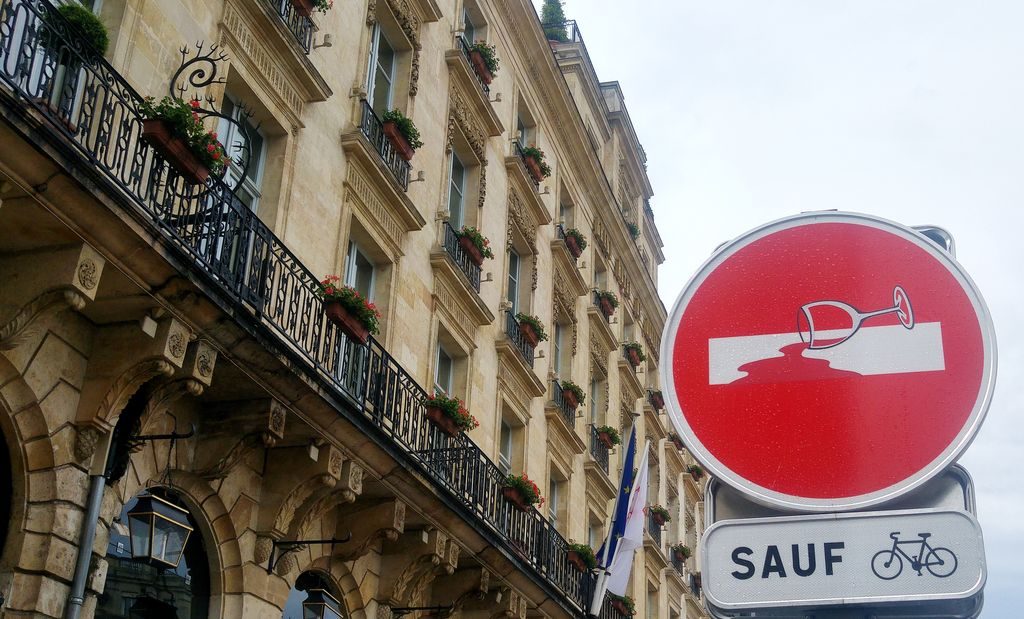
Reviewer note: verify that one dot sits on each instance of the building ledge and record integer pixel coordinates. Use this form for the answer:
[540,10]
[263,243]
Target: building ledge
[629,380]
[559,432]
[394,199]
[598,478]
[566,265]
[522,183]
[469,83]
[600,326]
[511,358]
[466,300]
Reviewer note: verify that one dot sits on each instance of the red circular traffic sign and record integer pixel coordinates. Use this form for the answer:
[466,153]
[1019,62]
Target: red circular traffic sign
[828,361]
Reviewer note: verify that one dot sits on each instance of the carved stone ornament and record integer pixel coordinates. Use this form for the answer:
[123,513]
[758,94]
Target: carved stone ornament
[87,274]
[86,441]
[21,327]
[204,362]
[276,419]
[460,119]
[176,345]
[261,551]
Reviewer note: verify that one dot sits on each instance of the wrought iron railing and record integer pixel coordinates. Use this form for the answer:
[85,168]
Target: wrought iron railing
[301,26]
[597,304]
[679,565]
[515,335]
[568,412]
[93,113]
[522,158]
[600,451]
[654,529]
[461,257]
[464,47]
[373,129]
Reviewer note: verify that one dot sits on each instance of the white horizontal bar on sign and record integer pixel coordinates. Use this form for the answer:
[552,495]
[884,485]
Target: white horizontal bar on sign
[891,349]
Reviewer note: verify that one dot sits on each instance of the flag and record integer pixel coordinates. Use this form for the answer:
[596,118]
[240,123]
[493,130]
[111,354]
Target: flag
[633,536]
[627,529]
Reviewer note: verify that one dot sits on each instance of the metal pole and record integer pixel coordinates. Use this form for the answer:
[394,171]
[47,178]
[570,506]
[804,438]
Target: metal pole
[76,598]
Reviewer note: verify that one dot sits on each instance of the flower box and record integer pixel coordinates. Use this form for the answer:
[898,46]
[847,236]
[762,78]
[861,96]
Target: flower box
[620,606]
[573,246]
[398,141]
[681,554]
[678,442]
[657,400]
[480,66]
[569,397]
[303,7]
[577,560]
[344,320]
[471,250]
[633,356]
[606,439]
[175,150]
[529,334]
[534,167]
[513,496]
[443,422]
[606,307]
[658,518]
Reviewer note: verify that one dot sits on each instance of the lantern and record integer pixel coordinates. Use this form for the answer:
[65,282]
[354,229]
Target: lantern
[320,604]
[159,531]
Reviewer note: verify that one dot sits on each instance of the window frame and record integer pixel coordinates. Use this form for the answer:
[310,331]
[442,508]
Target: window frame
[229,133]
[514,282]
[460,188]
[377,35]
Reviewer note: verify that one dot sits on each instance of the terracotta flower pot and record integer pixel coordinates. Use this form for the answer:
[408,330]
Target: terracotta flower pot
[606,439]
[574,247]
[606,307]
[659,519]
[471,250]
[575,558]
[534,167]
[680,555]
[633,357]
[443,422]
[678,443]
[569,397]
[398,141]
[529,334]
[174,150]
[513,496]
[657,400]
[620,606]
[480,66]
[351,326]
[303,7]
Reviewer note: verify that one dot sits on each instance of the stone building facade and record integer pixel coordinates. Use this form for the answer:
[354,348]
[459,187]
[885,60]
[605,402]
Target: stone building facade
[163,337]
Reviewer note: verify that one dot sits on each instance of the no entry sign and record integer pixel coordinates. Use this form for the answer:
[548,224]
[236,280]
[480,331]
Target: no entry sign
[828,361]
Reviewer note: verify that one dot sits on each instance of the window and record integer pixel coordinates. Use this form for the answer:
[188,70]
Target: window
[468,29]
[594,536]
[554,500]
[522,132]
[359,271]
[229,134]
[556,348]
[456,192]
[505,448]
[444,373]
[652,604]
[381,78]
[514,263]
[596,387]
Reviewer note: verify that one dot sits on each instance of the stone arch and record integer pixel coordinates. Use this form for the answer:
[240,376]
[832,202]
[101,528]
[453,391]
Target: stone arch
[339,573]
[26,437]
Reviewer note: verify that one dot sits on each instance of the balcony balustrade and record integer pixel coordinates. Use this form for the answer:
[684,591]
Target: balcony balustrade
[461,258]
[680,566]
[515,334]
[568,412]
[654,529]
[92,115]
[300,26]
[599,450]
[373,129]
[522,157]
[464,47]
[597,304]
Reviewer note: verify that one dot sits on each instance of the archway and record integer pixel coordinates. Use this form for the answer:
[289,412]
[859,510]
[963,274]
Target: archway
[136,589]
[314,596]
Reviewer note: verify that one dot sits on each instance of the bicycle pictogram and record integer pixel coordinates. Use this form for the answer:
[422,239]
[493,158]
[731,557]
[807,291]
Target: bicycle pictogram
[888,564]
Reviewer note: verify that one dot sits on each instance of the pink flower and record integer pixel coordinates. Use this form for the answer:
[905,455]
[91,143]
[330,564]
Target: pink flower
[210,148]
[216,156]
[195,116]
[194,103]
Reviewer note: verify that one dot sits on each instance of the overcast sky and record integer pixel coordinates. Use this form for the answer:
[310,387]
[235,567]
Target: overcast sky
[912,110]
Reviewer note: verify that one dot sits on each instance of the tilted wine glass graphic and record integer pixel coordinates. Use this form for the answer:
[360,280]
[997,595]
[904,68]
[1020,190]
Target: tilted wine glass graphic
[818,339]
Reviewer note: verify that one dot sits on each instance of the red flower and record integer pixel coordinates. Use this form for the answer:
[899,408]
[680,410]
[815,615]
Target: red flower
[216,156]
[194,103]
[210,148]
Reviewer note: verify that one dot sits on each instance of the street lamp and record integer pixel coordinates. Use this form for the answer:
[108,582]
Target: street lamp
[158,531]
[320,604]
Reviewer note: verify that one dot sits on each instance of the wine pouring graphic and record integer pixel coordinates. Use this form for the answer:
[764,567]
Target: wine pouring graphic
[817,339]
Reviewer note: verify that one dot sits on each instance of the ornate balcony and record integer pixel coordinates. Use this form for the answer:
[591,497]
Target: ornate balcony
[654,529]
[568,412]
[515,335]
[91,121]
[463,46]
[300,26]
[469,268]
[373,129]
[599,450]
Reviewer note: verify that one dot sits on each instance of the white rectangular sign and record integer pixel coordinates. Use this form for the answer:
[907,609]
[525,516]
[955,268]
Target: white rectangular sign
[839,559]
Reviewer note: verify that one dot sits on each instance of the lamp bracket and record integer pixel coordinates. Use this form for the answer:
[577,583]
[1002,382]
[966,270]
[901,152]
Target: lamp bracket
[293,545]
[173,436]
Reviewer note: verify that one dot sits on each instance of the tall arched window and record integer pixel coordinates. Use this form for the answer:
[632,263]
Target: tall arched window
[314,597]
[135,589]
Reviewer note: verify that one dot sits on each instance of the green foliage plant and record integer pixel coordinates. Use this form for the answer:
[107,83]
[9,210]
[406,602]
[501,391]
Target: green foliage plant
[586,554]
[538,156]
[613,434]
[85,22]
[481,242]
[552,16]
[405,126]
[488,53]
[453,408]
[636,346]
[186,123]
[534,322]
[581,240]
[526,487]
[575,389]
[331,290]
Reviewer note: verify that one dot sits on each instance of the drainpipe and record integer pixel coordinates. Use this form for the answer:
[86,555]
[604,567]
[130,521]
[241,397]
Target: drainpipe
[76,599]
